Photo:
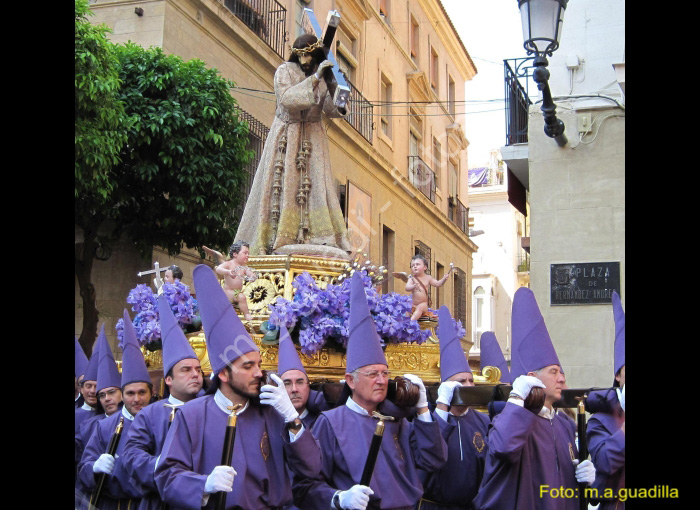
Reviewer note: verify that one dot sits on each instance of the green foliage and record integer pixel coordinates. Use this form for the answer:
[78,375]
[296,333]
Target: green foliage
[181,173]
[100,121]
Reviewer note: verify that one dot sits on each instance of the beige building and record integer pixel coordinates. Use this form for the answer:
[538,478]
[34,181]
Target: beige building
[577,192]
[400,158]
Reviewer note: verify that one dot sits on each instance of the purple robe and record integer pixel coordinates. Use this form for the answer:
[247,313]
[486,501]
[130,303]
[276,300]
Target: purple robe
[118,488]
[143,445]
[526,453]
[456,484]
[345,436]
[194,445]
[606,443]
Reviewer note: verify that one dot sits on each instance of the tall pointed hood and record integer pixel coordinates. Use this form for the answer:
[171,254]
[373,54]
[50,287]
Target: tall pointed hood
[532,346]
[107,371]
[619,314]
[364,344]
[133,365]
[492,356]
[176,347]
[91,369]
[227,338]
[288,358]
[81,361]
[452,358]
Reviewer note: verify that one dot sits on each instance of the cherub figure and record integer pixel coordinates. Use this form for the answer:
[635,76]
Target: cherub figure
[418,283]
[235,273]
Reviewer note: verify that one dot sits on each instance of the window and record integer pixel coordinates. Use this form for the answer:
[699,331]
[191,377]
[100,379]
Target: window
[451,98]
[437,166]
[479,315]
[298,15]
[434,69]
[388,258]
[460,296]
[384,7]
[439,274]
[386,94]
[452,185]
[345,54]
[414,38]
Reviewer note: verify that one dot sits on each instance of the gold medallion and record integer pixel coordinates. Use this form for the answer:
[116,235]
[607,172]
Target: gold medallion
[478,442]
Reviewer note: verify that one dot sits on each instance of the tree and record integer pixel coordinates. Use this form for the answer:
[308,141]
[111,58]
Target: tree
[181,172]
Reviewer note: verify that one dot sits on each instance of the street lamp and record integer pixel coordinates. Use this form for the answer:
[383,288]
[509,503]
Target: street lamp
[542,22]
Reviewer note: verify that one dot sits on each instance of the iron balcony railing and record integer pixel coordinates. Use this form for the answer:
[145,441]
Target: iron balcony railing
[421,176]
[266,18]
[523,263]
[360,113]
[517,101]
[257,135]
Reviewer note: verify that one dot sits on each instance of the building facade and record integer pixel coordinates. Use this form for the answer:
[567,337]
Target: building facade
[576,193]
[399,160]
[501,265]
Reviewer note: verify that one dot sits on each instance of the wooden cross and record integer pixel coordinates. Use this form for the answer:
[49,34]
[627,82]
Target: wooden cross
[310,25]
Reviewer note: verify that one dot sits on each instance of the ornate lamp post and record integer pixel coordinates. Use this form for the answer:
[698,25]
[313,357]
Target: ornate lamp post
[542,23]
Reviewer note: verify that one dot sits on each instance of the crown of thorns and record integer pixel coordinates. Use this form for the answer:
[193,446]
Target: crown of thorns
[310,48]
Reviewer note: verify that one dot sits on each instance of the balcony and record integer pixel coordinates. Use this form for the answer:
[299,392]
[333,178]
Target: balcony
[517,79]
[458,214]
[266,18]
[523,263]
[421,176]
[360,113]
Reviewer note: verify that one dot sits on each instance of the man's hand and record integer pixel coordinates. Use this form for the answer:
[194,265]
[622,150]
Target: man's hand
[277,397]
[524,383]
[321,67]
[104,464]
[355,498]
[445,392]
[220,480]
[423,399]
[585,471]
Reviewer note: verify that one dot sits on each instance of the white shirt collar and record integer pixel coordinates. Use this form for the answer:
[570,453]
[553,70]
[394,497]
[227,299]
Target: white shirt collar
[224,403]
[126,414]
[304,414]
[546,413]
[86,407]
[173,400]
[354,406]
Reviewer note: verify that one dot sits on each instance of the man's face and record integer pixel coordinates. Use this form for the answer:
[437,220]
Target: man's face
[418,267]
[307,64]
[620,378]
[168,277]
[245,377]
[554,381]
[110,399]
[241,258]
[136,396]
[89,394]
[297,385]
[186,380]
[464,378]
[369,390]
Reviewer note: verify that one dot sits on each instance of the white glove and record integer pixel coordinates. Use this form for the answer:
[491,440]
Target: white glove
[104,464]
[355,498]
[220,479]
[524,383]
[621,397]
[277,397]
[321,67]
[423,399]
[445,392]
[585,471]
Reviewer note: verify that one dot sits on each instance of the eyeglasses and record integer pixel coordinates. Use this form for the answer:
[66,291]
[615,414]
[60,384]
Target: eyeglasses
[103,394]
[375,373]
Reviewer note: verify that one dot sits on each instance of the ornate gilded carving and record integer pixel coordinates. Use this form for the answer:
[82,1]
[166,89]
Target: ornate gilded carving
[491,375]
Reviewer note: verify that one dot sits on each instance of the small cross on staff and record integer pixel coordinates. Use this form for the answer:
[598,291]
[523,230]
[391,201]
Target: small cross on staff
[157,281]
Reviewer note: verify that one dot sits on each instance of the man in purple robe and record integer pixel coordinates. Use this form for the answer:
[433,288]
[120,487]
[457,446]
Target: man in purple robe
[307,402]
[532,460]
[455,485]
[605,430]
[345,432]
[269,433]
[119,491]
[183,380]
